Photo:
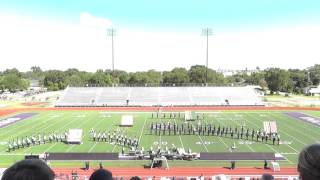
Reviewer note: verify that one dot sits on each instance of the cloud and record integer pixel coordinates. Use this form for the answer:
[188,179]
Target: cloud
[86,19]
[58,45]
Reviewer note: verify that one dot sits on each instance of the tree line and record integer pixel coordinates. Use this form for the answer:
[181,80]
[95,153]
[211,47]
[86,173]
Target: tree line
[274,79]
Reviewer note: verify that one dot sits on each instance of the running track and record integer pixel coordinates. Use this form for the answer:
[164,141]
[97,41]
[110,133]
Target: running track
[181,171]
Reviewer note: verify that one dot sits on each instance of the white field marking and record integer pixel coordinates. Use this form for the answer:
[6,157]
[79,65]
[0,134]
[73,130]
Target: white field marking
[14,154]
[289,153]
[25,149]
[160,140]
[69,148]
[258,127]
[304,134]
[268,144]
[15,114]
[179,136]
[127,112]
[47,128]
[29,146]
[292,148]
[54,144]
[290,136]
[220,139]
[279,153]
[94,145]
[115,145]
[284,132]
[26,129]
[315,132]
[252,150]
[201,140]
[85,134]
[145,120]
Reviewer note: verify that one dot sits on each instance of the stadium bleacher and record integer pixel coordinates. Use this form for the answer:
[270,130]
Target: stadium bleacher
[159,96]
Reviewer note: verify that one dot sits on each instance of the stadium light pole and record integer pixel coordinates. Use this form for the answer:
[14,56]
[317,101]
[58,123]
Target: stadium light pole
[112,32]
[207,32]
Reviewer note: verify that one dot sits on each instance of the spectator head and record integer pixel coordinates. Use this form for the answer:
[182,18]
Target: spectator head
[309,162]
[135,178]
[101,174]
[267,177]
[29,169]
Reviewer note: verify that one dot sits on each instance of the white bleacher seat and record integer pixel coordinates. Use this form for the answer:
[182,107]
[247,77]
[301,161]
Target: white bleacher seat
[164,96]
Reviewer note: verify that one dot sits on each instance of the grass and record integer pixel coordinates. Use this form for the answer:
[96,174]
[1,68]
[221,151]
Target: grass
[297,134]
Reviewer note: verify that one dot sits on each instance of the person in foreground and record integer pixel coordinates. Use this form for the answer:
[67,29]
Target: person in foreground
[29,169]
[267,177]
[101,174]
[309,162]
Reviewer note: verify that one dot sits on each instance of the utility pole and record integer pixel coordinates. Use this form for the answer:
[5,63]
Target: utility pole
[207,32]
[112,32]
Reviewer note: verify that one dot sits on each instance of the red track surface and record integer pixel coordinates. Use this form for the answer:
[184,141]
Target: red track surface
[7,111]
[185,171]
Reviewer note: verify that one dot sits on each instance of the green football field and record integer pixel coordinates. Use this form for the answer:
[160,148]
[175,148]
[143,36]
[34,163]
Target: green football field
[295,135]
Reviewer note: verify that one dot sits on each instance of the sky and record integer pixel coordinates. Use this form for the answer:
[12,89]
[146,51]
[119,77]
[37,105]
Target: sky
[159,34]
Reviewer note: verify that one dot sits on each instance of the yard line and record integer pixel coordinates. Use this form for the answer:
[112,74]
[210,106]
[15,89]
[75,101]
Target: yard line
[279,153]
[179,136]
[291,127]
[289,153]
[69,149]
[292,148]
[220,139]
[82,137]
[145,120]
[201,140]
[252,150]
[34,129]
[268,144]
[283,132]
[26,149]
[290,135]
[203,143]
[94,145]
[84,122]
[114,146]
[54,144]
[16,128]
[223,142]
[26,129]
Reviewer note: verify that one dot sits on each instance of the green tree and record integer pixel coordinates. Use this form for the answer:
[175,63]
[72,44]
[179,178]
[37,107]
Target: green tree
[100,78]
[13,71]
[138,78]
[55,80]
[315,74]
[154,77]
[197,74]
[176,76]
[13,82]
[119,77]
[255,78]
[2,87]
[299,79]
[215,77]
[278,80]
